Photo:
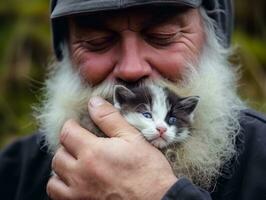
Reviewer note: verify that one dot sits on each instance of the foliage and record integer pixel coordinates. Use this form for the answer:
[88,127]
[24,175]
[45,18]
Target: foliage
[253,80]
[25,48]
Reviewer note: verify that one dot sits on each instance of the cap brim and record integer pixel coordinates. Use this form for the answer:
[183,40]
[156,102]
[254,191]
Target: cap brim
[71,7]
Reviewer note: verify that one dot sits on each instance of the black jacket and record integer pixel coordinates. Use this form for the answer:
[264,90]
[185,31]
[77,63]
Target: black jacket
[25,169]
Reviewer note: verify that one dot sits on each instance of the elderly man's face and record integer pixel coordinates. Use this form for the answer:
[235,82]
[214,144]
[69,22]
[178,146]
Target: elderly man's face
[135,44]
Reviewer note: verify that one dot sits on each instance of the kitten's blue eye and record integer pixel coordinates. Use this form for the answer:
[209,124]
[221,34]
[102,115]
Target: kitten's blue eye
[172,120]
[147,115]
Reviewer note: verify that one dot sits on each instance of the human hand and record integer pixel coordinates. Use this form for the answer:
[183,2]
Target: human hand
[124,166]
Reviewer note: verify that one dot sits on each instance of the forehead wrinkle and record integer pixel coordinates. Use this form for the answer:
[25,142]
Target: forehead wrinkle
[127,22]
[128,26]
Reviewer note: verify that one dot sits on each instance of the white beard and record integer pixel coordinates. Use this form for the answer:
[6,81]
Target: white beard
[216,121]
[216,125]
[66,96]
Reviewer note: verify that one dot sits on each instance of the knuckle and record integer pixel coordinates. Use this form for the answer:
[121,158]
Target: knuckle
[68,124]
[49,188]
[54,162]
[88,156]
[65,132]
[74,179]
[105,111]
[105,117]
[88,161]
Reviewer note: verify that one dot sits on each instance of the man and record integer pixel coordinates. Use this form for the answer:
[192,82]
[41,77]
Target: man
[99,44]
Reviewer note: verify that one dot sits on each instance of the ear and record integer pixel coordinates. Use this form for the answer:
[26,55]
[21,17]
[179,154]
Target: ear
[122,95]
[188,104]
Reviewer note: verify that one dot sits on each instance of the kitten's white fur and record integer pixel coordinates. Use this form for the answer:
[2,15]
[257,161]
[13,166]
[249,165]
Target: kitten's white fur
[148,126]
[216,125]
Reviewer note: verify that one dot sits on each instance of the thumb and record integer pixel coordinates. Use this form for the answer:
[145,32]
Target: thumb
[108,118]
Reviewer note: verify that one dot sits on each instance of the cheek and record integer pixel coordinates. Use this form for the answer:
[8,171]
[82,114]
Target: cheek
[171,63]
[94,68]
[169,66]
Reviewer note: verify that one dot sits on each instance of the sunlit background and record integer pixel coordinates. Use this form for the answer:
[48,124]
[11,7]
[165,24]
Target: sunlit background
[25,49]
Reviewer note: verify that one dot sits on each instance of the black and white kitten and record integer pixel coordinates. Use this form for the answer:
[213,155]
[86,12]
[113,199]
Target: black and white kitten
[159,114]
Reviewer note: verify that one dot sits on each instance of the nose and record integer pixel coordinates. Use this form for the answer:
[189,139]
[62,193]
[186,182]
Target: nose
[131,64]
[161,130]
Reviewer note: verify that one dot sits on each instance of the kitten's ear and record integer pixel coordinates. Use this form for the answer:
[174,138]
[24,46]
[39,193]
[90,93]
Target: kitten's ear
[122,95]
[188,104]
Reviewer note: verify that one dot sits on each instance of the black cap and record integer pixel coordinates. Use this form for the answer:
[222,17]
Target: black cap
[69,7]
[221,11]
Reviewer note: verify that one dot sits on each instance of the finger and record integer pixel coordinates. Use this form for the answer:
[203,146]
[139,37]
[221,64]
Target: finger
[63,163]
[57,189]
[73,137]
[108,118]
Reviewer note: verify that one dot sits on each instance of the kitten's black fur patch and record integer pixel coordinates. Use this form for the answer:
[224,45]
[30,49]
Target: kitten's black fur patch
[137,99]
[180,107]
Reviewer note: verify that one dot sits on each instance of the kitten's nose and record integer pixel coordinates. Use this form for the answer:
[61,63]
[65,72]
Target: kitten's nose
[161,130]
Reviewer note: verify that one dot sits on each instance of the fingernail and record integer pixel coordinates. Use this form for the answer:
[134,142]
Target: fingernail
[96,101]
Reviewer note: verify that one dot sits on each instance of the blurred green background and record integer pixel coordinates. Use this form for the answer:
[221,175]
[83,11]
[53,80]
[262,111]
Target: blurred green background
[25,49]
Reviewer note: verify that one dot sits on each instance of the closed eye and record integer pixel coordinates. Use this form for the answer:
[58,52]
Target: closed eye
[100,44]
[161,39]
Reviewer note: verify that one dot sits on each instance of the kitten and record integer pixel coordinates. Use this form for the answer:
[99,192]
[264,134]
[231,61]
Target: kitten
[159,114]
